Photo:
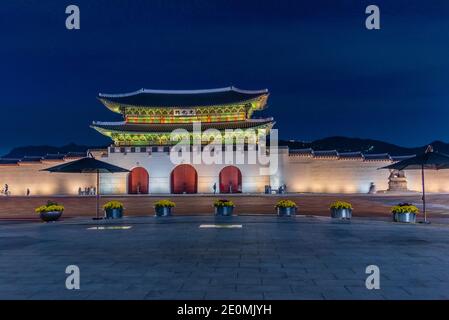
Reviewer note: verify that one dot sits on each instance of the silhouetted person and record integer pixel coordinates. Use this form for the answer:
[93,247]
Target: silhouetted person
[372,188]
[28,192]
[215,187]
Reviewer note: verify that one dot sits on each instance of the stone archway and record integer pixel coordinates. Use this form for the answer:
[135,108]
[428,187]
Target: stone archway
[184,179]
[230,180]
[138,181]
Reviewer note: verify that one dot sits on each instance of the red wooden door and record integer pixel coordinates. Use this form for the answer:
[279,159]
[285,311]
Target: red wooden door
[230,180]
[138,181]
[184,179]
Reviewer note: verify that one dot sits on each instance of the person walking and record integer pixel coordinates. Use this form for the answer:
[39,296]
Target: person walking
[215,187]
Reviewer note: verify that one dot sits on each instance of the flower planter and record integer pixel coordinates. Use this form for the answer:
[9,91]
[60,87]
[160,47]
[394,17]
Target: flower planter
[286,211]
[224,211]
[50,216]
[113,213]
[341,213]
[162,211]
[406,217]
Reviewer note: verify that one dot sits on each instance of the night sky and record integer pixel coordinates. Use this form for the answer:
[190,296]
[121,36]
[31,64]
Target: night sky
[327,74]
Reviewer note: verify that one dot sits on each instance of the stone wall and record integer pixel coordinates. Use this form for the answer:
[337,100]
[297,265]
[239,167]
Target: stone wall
[308,174]
[436,181]
[21,177]
[300,173]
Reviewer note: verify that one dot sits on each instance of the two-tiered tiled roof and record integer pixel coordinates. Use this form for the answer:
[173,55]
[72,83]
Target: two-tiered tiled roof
[184,98]
[152,115]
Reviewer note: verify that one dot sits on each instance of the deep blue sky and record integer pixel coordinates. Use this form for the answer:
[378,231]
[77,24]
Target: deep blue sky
[327,74]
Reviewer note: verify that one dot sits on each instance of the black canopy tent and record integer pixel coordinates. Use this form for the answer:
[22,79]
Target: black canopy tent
[429,160]
[88,165]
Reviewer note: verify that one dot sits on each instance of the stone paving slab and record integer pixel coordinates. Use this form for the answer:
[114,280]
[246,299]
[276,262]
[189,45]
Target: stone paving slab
[268,258]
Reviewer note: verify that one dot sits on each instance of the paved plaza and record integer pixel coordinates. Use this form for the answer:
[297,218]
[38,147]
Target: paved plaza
[242,257]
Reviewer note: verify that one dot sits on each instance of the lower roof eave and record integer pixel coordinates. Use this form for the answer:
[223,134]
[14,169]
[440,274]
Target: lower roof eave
[108,132]
[126,128]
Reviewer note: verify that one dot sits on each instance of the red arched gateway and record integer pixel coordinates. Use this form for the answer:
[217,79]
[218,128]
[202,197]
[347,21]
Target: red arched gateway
[138,181]
[184,179]
[230,180]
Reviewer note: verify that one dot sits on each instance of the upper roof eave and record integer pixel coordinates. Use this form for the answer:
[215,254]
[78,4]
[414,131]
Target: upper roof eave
[182,98]
[200,91]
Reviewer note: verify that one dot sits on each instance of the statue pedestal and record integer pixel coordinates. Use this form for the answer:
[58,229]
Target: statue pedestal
[397,184]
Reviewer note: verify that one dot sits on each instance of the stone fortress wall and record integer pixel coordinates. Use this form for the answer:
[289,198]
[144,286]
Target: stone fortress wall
[21,177]
[299,170]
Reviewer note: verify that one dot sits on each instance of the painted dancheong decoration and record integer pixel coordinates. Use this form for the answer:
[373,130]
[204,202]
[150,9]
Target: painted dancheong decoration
[150,116]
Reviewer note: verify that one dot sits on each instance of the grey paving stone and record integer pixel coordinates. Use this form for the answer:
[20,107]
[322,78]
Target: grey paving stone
[264,288]
[189,295]
[304,258]
[293,296]
[220,295]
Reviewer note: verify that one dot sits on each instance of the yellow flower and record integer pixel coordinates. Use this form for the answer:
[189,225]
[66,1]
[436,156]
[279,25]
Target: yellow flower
[49,208]
[113,205]
[404,209]
[341,205]
[165,203]
[223,203]
[286,204]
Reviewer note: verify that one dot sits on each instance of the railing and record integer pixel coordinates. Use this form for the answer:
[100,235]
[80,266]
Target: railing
[166,149]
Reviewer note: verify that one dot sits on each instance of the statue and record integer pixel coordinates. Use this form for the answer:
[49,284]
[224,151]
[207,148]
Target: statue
[397,181]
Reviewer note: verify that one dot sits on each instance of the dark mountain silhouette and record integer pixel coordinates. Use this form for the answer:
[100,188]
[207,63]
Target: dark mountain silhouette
[341,144]
[38,151]
[346,144]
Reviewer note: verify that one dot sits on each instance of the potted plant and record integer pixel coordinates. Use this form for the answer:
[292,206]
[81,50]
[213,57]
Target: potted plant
[286,208]
[163,208]
[113,210]
[52,211]
[223,207]
[341,210]
[404,212]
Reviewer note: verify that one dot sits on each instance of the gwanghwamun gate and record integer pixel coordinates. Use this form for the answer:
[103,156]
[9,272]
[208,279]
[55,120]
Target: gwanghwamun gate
[184,142]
